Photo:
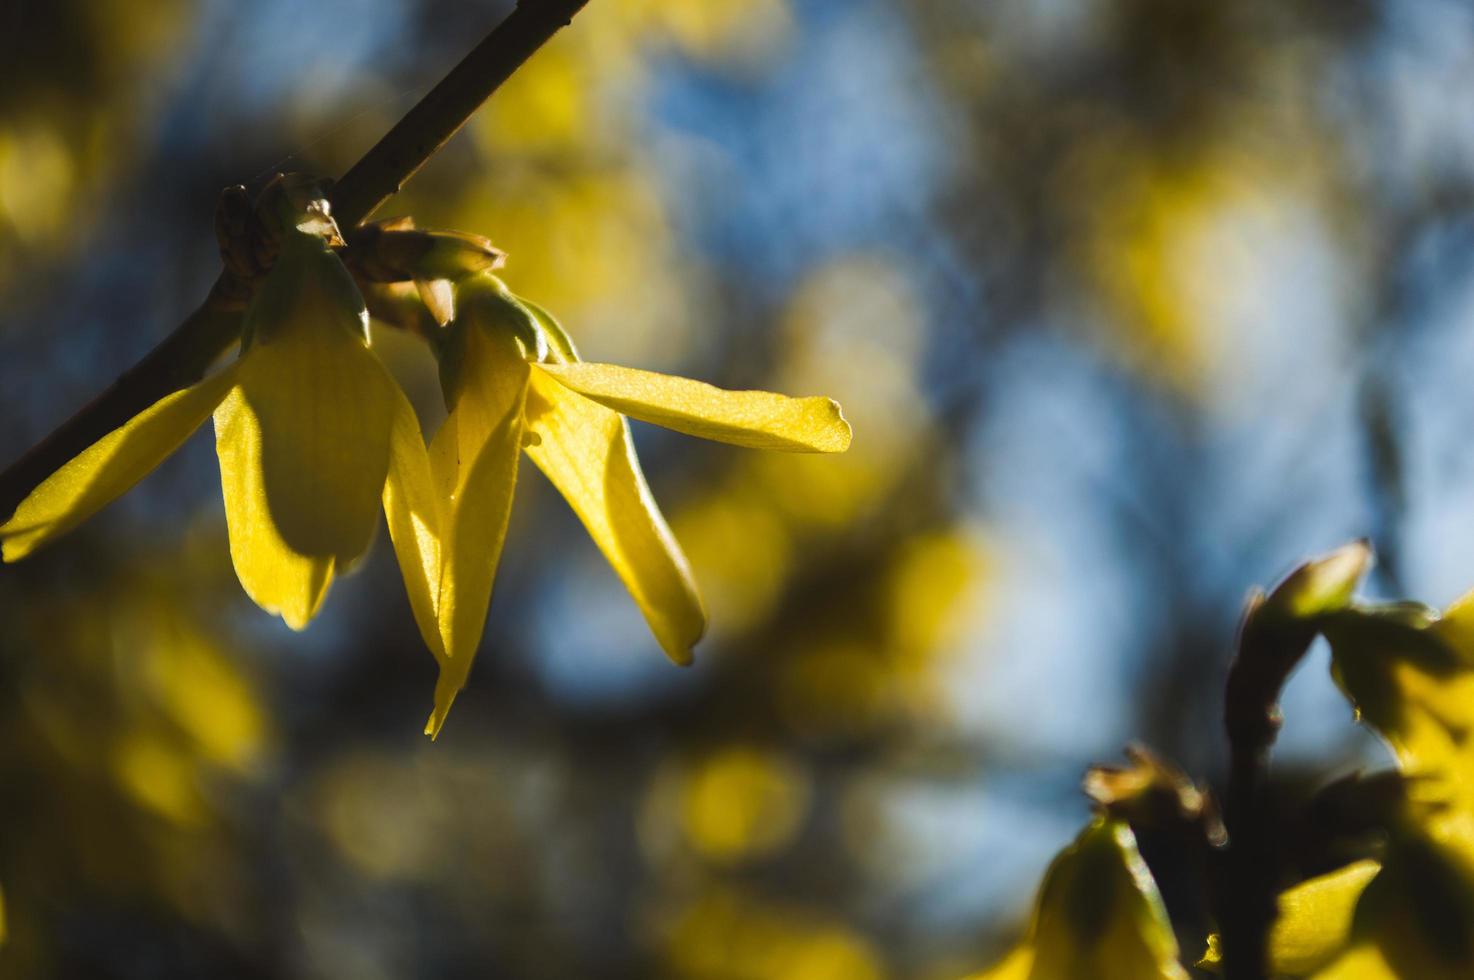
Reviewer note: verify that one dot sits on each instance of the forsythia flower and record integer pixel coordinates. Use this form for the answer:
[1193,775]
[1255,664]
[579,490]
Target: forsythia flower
[1099,915]
[513,383]
[313,434]
[308,426]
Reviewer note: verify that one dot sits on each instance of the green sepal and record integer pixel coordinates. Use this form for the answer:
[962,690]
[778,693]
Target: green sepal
[558,338]
[483,303]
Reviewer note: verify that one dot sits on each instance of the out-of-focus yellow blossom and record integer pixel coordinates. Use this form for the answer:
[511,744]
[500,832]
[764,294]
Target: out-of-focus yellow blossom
[1410,674]
[1173,243]
[1408,916]
[513,381]
[1098,915]
[308,428]
[727,935]
[743,803]
[1313,927]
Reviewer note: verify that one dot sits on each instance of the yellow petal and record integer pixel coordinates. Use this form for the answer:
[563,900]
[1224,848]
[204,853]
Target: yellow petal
[586,451]
[1100,915]
[472,548]
[1362,963]
[473,464]
[412,510]
[304,438]
[757,419]
[325,407]
[1314,924]
[110,466]
[277,579]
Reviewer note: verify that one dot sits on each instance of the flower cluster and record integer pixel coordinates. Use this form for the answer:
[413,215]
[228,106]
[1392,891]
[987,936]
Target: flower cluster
[314,436]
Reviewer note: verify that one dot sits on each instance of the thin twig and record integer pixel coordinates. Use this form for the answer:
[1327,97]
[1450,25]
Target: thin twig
[1276,632]
[182,358]
[1246,876]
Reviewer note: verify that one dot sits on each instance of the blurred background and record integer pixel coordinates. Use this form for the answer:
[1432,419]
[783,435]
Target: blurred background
[1132,303]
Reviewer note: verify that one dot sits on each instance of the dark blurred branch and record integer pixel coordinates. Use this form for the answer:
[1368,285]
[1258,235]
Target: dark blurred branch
[1275,635]
[1246,876]
[182,358]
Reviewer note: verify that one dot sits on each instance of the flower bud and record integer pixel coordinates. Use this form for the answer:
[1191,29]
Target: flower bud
[396,251]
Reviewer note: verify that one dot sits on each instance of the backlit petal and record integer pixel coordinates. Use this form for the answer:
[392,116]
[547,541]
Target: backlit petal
[586,451]
[304,438]
[110,466]
[325,406]
[473,548]
[1099,913]
[757,419]
[473,461]
[1314,924]
[412,510]
[277,579]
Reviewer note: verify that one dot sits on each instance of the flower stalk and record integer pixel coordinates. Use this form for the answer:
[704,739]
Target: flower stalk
[183,357]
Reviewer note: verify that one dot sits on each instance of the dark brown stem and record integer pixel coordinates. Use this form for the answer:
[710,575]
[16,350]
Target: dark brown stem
[1245,882]
[181,358]
[440,115]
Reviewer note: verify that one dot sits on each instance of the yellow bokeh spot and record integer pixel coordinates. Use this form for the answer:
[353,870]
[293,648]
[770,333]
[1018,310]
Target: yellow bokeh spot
[37,179]
[593,243]
[933,594]
[724,934]
[377,812]
[831,955]
[743,803]
[741,553]
[210,702]
[1173,245]
[933,574]
[543,107]
[156,774]
[717,30]
[833,687]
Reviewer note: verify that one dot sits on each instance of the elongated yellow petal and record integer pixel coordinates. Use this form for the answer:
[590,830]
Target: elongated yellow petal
[277,579]
[326,407]
[757,419]
[304,445]
[110,466]
[586,451]
[473,548]
[473,465]
[412,510]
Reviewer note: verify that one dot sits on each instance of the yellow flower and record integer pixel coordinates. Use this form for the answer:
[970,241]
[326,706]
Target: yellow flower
[1409,915]
[1409,671]
[1098,915]
[308,426]
[313,434]
[514,383]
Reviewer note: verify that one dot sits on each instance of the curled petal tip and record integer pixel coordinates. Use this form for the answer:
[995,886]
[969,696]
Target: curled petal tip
[844,432]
